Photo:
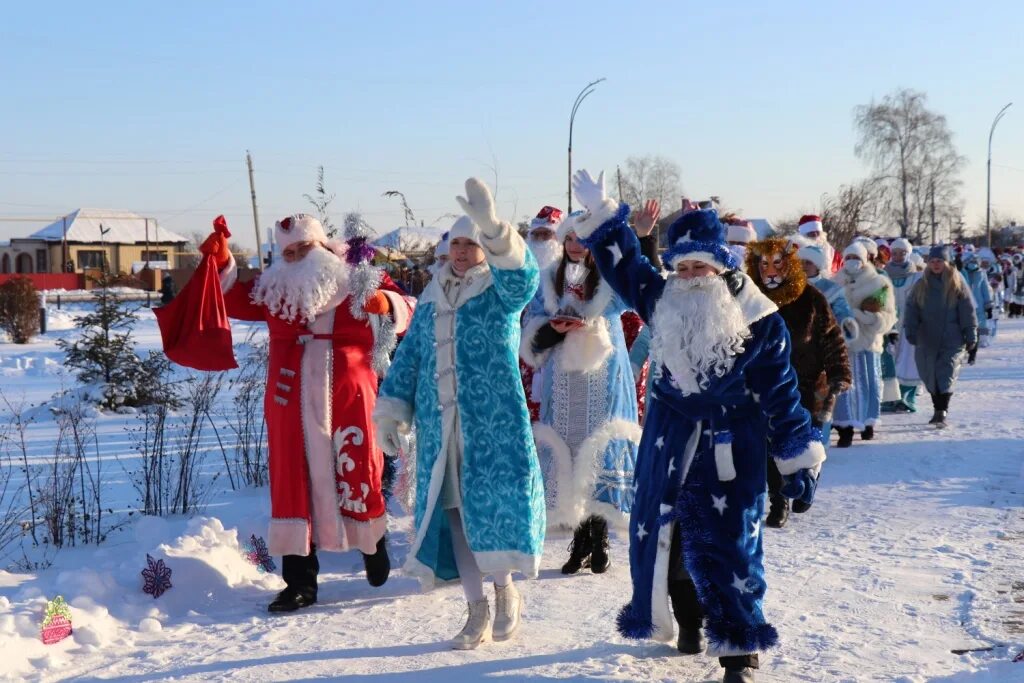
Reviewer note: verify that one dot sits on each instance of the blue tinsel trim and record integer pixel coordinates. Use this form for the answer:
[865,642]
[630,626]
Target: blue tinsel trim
[632,625]
[727,258]
[724,436]
[749,638]
[606,229]
[795,447]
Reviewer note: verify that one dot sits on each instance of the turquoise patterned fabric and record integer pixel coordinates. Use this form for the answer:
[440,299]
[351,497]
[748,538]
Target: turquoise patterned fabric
[502,489]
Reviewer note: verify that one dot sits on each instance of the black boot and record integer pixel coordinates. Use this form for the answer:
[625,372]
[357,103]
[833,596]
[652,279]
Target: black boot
[739,669]
[299,573]
[599,559]
[845,437]
[868,433]
[579,549]
[688,616]
[941,403]
[778,513]
[378,565]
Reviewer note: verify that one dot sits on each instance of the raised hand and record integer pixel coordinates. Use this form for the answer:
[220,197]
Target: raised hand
[647,218]
[216,245]
[588,191]
[479,206]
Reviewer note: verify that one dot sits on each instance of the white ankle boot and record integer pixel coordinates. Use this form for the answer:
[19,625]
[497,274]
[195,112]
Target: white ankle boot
[508,608]
[477,628]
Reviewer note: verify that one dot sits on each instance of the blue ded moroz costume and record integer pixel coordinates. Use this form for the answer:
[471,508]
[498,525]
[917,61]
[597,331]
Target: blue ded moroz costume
[719,399]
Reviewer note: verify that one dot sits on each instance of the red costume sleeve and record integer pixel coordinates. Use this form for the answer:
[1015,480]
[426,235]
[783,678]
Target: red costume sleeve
[194,327]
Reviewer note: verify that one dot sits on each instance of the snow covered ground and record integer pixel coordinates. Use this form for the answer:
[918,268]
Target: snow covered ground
[914,549]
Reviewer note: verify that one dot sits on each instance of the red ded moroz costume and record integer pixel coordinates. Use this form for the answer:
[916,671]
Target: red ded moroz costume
[325,463]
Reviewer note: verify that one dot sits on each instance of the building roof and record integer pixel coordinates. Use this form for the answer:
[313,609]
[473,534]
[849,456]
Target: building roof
[410,238]
[124,227]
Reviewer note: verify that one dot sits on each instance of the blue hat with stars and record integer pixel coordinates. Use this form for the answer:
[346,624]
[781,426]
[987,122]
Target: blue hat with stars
[699,236]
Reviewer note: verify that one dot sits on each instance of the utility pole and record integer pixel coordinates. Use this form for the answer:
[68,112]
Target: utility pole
[618,179]
[587,89]
[931,194]
[147,243]
[255,213]
[988,183]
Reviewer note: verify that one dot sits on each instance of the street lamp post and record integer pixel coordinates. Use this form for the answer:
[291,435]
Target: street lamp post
[988,190]
[589,88]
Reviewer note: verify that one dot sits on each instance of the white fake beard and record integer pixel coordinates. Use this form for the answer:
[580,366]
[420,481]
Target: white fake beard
[698,330]
[547,252]
[302,290]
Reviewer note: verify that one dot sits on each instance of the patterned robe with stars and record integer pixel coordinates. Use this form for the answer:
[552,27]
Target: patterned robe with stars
[702,462]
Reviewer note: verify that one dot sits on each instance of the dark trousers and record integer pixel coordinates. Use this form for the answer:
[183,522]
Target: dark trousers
[300,571]
[774,478]
[686,607]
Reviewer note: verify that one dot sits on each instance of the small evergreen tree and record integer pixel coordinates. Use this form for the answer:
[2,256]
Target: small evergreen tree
[105,353]
[19,309]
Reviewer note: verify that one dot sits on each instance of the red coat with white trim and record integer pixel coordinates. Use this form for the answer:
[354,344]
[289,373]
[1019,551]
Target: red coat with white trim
[325,463]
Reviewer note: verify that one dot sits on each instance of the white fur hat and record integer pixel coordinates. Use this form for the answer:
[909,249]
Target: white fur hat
[869,245]
[858,249]
[902,243]
[567,225]
[464,227]
[740,231]
[442,247]
[298,227]
[814,254]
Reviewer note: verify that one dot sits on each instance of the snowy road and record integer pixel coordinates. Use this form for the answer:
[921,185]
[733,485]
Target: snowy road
[914,549]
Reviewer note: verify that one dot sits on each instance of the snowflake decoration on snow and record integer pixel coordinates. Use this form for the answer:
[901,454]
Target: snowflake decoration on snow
[157,577]
[56,621]
[256,552]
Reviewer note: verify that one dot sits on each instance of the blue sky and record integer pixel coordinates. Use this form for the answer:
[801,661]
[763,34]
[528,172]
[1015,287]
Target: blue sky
[151,106]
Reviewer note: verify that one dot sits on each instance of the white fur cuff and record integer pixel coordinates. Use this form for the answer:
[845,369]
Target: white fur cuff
[229,275]
[526,352]
[585,349]
[393,408]
[586,224]
[812,456]
[506,250]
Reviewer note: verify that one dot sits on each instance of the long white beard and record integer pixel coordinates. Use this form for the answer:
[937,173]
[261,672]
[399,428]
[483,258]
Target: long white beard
[698,330]
[303,289]
[545,251]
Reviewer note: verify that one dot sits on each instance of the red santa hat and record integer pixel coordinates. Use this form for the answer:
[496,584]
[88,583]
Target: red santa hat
[739,230]
[298,227]
[548,218]
[810,223]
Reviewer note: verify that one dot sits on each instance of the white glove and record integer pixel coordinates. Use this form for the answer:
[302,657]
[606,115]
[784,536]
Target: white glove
[479,206]
[389,434]
[588,191]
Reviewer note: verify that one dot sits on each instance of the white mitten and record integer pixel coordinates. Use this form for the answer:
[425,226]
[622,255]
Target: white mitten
[588,191]
[389,432]
[591,194]
[479,206]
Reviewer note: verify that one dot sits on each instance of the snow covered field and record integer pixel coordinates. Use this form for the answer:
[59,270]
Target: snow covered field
[914,549]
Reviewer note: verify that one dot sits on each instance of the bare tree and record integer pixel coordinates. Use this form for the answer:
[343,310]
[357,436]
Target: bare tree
[321,200]
[849,210]
[649,177]
[914,159]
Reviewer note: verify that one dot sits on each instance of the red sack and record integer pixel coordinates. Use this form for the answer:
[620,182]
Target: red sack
[194,326]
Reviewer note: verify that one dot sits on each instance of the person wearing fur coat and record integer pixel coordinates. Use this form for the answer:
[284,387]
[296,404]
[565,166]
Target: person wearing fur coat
[903,275]
[479,501]
[869,294]
[818,352]
[588,432]
[332,319]
[725,395]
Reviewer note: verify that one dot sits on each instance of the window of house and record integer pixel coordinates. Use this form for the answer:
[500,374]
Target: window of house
[154,256]
[41,261]
[88,258]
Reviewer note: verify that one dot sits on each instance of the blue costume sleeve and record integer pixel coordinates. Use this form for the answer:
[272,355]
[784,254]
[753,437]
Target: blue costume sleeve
[398,392]
[513,268]
[616,251]
[641,350]
[772,379]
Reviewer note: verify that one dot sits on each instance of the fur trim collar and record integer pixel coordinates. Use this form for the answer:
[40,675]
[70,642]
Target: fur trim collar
[590,309]
[475,282]
[754,304]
